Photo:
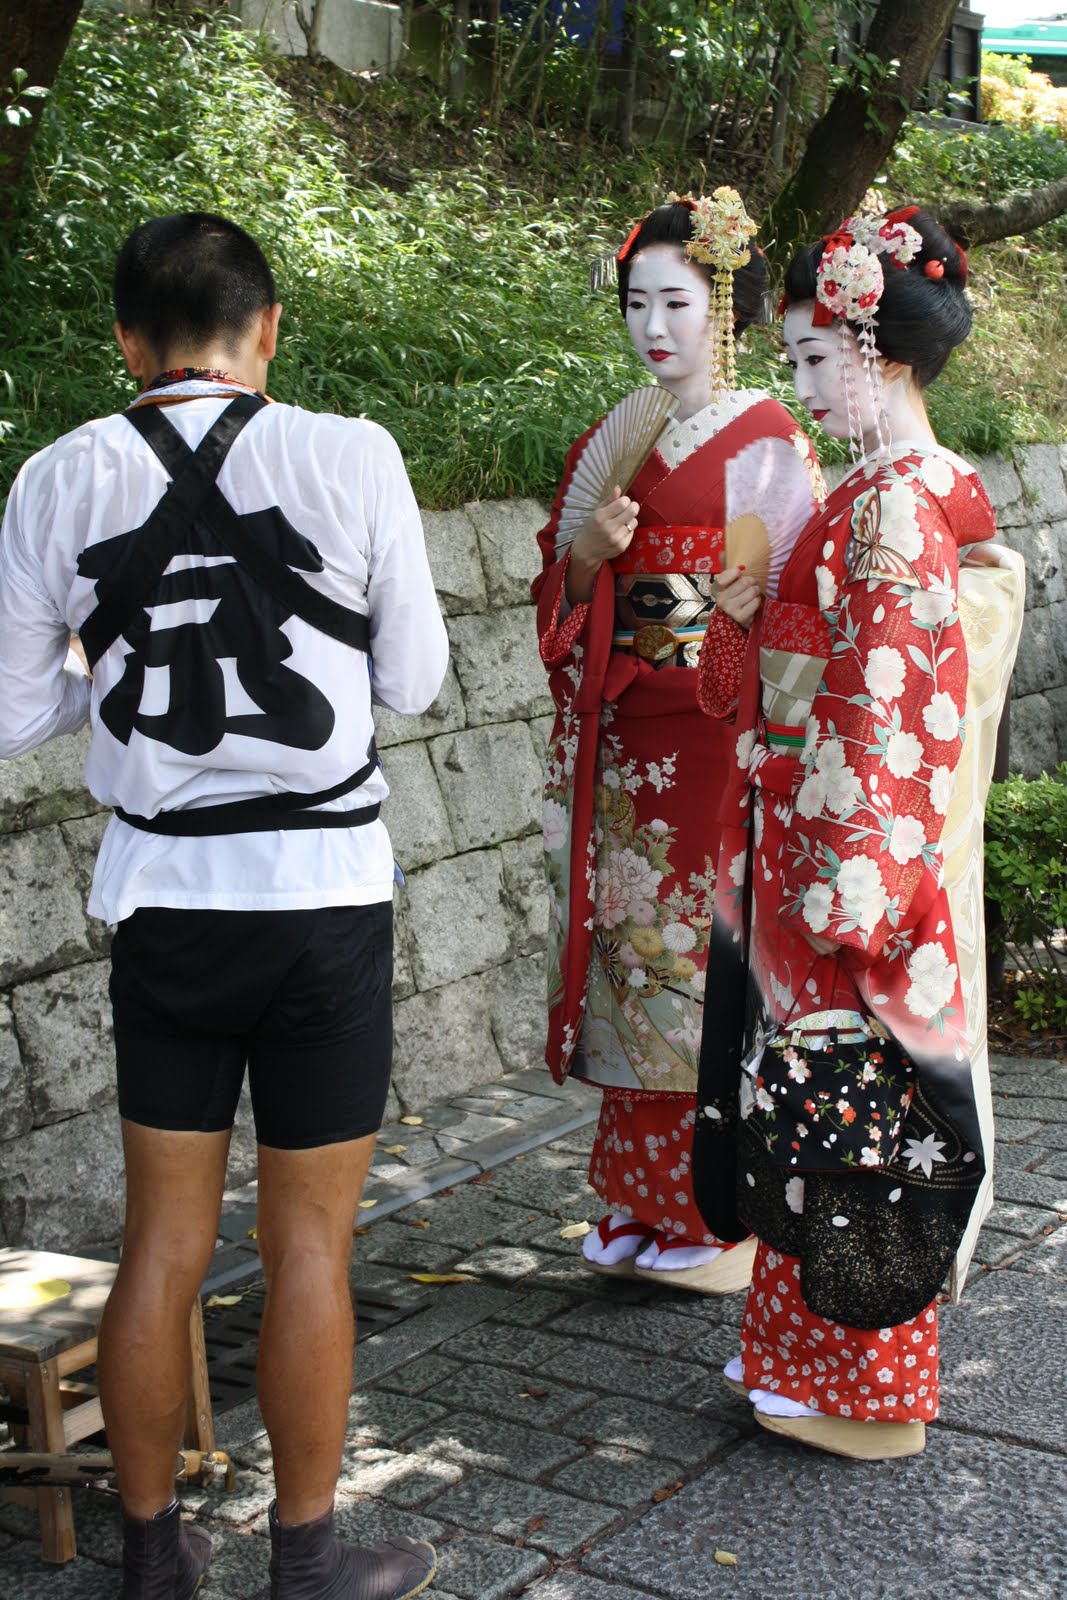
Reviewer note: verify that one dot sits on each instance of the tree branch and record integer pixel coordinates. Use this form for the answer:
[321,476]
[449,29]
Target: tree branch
[971,223]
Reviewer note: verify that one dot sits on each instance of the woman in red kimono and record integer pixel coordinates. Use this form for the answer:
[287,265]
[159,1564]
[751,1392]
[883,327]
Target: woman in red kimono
[634,770]
[845,765]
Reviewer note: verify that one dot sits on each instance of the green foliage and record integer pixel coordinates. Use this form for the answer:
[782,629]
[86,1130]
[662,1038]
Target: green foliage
[1026,877]
[452,308]
[1009,69]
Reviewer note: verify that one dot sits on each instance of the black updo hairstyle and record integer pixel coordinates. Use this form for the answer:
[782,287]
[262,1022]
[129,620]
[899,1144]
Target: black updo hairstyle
[920,319]
[673,224]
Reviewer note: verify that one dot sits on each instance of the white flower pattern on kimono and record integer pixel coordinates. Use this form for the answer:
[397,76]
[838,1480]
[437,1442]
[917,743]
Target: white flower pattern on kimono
[862,892]
[818,904]
[884,673]
[899,529]
[941,717]
[932,980]
[555,823]
[903,754]
[679,937]
[932,605]
[940,789]
[827,588]
[794,1195]
[906,839]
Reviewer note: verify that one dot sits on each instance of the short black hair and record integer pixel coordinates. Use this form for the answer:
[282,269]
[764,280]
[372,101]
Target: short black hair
[920,319]
[190,279]
[673,224]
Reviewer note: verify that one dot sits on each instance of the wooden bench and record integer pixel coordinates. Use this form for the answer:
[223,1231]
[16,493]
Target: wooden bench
[50,1309]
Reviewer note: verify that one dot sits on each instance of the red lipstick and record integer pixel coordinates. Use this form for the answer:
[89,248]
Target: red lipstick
[659,355]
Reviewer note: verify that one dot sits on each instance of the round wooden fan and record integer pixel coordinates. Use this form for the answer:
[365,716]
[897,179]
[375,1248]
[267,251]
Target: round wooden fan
[614,453]
[768,501]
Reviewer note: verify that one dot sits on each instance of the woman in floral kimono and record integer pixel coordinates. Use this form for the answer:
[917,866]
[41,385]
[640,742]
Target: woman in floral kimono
[841,814]
[634,770]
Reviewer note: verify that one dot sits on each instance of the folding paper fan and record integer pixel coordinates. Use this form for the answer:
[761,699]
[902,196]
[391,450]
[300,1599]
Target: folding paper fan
[614,454]
[768,501]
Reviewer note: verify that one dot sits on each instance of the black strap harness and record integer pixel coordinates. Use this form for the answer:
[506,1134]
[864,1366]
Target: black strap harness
[193,493]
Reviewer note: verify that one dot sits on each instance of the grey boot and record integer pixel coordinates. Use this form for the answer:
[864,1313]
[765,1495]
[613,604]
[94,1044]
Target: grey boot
[309,1562]
[163,1558]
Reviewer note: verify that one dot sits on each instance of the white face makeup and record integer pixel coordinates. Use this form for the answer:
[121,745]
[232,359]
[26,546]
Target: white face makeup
[815,356]
[667,316]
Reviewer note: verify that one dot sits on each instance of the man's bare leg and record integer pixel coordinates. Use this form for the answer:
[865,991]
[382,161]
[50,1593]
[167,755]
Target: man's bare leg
[174,1184]
[307,1211]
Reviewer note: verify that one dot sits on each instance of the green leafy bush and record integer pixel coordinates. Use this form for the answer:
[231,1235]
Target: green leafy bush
[1026,878]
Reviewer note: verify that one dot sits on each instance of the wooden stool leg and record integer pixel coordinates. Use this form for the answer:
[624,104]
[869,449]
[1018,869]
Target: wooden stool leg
[199,1422]
[46,1434]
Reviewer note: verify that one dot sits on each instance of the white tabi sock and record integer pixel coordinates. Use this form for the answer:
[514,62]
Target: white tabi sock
[618,1246]
[780,1405]
[734,1370]
[677,1259]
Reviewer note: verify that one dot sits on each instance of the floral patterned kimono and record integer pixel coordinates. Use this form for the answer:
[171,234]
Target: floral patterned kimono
[852,715]
[634,775]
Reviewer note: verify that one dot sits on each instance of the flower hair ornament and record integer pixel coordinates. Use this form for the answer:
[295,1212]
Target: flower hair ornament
[721,231]
[848,285]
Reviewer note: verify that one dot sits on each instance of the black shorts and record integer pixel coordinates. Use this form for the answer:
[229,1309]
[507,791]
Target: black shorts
[303,998]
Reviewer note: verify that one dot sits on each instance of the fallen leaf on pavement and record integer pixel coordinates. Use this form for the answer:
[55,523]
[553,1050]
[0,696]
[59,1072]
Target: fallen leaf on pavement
[665,1494]
[420,1222]
[576,1230]
[440,1277]
[393,1149]
[530,1393]
[726,1558]
[411,1122]
[365,1205]
[223,1300]
[253,1233]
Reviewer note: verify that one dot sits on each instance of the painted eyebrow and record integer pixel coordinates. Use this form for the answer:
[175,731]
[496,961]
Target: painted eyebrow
[680,290]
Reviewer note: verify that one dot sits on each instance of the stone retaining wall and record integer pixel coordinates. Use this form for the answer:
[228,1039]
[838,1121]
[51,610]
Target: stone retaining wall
[465,819]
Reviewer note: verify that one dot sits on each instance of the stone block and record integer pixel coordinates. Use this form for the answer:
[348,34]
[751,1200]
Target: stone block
[996,1376]
[61,1187]
[1005,491]
[357,35]
[458,921]
[524,1512]
[443,1044]
[479,1569]
[495,1445]
[403,976]
[541,732]
[518,1010]
[649,1429]
[499,667]
[82,836]
[64,1022]
[965,1496]
[527,896]
[1042,481]
[507,533]
[499,1392]
[455,561]
[42,922]
[1056,701]
[415,811]
[1033,746]
[1043,553]
[491,781]
[16,1117]
[444,716]
[45,785]
[1038,667]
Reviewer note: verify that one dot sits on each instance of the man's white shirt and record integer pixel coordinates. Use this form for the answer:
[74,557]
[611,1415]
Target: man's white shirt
[341,485]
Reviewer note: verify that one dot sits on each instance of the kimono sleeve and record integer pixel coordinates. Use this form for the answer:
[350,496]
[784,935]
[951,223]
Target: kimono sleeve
[885,730]
[558,625]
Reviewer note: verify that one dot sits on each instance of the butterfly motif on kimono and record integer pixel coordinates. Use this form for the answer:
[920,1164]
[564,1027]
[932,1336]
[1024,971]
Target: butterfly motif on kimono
[865,554]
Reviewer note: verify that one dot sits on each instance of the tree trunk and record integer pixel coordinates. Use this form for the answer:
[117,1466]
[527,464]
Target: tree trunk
[33,38]
[632,50]
[971,223]
[457,70]
[848,145]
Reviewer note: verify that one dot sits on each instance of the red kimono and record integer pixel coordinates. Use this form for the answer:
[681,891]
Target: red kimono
[633,778]
[849,729]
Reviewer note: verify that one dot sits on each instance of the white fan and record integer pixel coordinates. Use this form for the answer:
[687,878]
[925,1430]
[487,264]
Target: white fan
[614,454]
[769,499]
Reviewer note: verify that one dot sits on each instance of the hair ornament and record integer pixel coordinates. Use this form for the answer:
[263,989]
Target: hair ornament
[721,231]
[934,269]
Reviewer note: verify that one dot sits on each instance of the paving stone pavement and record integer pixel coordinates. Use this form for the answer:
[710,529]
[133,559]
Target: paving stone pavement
[567,1437]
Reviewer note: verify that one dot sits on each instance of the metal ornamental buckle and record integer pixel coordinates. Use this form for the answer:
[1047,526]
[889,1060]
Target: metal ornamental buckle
[654,642]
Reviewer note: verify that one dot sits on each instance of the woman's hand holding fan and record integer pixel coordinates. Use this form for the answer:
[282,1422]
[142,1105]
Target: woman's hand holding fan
[769,500]
[739,595]
[605,535]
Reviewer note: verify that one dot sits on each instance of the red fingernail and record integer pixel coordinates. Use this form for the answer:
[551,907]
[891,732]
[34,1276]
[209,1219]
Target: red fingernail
[740,568]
